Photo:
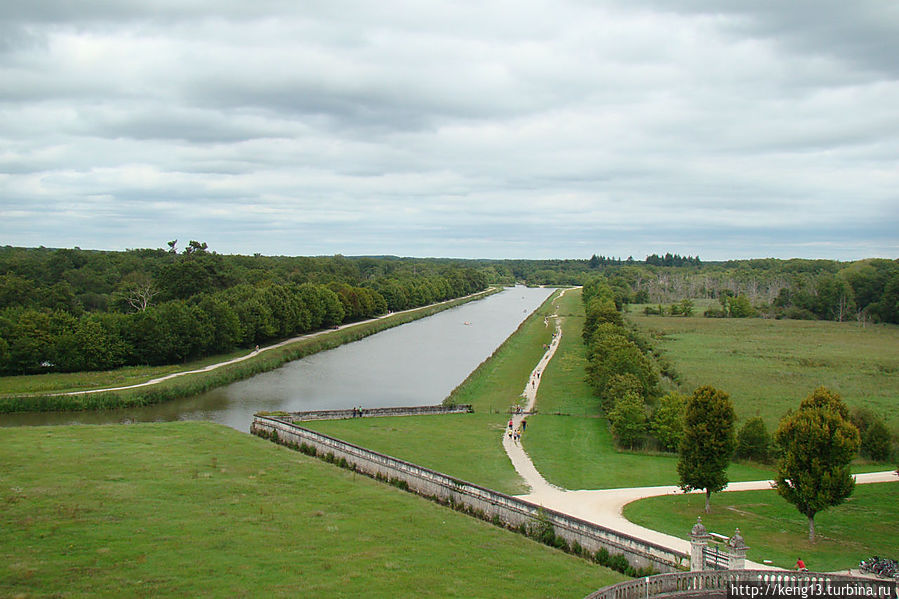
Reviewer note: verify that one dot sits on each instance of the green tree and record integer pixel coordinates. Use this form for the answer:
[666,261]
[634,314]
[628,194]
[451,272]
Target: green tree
[817,442]
[618,386]
[617,356]
[740,307]
[753,441]
[708,442]
[668,421]
[628,419]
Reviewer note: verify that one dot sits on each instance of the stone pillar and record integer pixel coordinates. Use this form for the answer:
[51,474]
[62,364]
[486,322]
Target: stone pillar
[699,540]
[737,552]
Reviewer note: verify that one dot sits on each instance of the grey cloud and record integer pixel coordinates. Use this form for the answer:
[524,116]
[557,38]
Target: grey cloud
[557,129]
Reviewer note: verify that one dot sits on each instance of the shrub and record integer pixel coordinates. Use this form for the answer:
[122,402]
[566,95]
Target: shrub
[668,421]
[877,442]
[753,441]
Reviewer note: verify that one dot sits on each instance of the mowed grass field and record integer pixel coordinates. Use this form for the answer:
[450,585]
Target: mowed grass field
[198,509]
[865,525]
[769,366]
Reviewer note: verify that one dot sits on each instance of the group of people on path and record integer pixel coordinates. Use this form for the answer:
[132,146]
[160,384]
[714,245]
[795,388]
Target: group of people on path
[357,412]
[515,433]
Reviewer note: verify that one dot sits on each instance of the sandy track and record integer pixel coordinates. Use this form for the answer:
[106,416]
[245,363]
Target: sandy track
[605,506]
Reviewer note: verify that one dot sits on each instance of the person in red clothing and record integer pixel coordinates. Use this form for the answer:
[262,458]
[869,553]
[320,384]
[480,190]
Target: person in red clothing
[800,565]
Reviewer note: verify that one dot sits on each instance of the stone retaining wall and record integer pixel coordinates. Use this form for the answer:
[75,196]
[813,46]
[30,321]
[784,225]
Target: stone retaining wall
[374,412]
[491,505]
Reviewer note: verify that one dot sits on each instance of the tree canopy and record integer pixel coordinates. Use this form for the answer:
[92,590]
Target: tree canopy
[708,442]
[817,443]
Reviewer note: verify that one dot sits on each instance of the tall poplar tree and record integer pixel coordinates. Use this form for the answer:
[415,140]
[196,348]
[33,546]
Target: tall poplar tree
[817,442]
[708,442]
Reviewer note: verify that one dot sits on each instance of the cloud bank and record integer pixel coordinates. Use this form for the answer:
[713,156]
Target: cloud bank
[504,130]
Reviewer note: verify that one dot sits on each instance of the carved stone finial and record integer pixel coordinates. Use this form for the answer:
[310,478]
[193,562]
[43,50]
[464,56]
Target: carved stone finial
[737,541]
[698,528]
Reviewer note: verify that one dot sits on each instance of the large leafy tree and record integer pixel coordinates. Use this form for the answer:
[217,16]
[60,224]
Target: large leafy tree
[708,442]
[817,443]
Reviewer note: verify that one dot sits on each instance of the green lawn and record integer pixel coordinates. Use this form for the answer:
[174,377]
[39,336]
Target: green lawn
[466,446]
[865,525]
[197,509]
[769,366]
[578,453]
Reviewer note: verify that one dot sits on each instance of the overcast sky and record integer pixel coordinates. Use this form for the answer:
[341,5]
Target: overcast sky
[523,129]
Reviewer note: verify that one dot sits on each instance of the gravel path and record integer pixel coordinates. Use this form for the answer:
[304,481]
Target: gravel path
[605,506]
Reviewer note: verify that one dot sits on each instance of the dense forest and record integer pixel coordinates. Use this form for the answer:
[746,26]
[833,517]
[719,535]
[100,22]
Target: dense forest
[74,309]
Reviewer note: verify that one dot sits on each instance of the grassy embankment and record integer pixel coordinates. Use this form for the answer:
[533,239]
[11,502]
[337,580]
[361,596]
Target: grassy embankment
[569,441]
[867,524]
[198,509]
[35,393]
[467,446]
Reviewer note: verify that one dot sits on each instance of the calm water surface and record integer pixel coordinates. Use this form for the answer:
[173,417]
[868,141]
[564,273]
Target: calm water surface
[418,363]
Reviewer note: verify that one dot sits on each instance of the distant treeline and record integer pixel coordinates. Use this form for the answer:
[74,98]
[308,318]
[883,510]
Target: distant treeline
[72,310]
[865,290]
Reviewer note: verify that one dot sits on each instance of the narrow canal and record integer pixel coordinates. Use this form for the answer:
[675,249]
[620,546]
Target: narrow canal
[418,363]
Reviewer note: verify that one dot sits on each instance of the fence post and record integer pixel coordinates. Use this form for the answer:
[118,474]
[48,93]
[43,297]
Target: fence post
[737,547]
[699,539]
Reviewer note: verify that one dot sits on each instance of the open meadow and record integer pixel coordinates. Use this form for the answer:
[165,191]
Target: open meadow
[769,366]
[198,509]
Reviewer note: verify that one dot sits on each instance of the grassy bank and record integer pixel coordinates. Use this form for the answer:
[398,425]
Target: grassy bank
[467,446]
[196,509]
[499,381]
[12,388]
[568,440]
[769,366]
[865,525]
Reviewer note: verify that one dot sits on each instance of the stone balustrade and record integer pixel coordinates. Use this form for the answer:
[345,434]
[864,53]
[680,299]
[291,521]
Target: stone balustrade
[738,583]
